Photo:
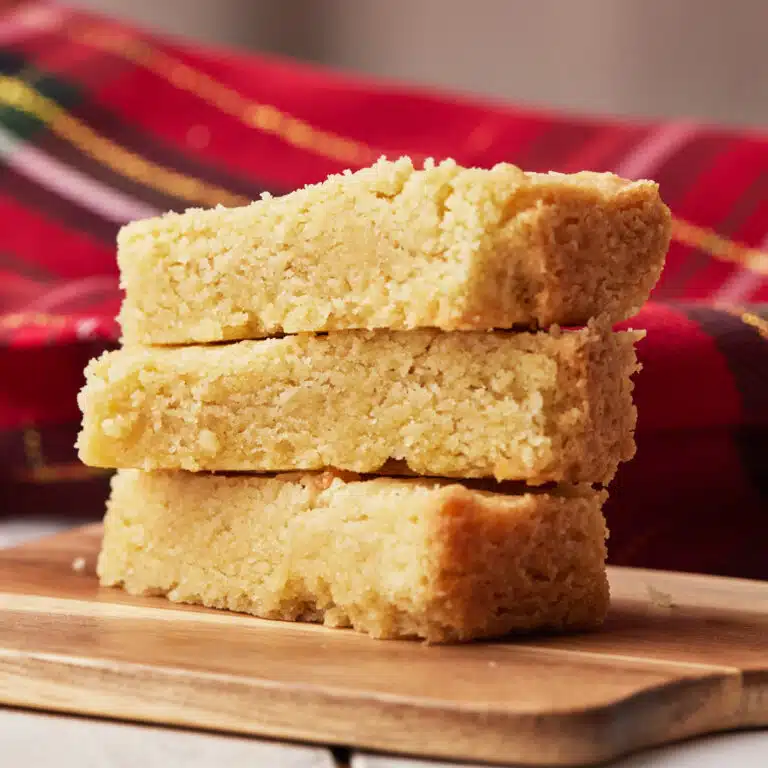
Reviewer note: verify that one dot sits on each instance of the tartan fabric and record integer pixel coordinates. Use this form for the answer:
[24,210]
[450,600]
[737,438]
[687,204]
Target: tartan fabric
[101,124]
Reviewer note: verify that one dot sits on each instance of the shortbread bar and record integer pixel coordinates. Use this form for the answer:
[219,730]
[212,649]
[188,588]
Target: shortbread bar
[390,557]
[395,247]
[540,407]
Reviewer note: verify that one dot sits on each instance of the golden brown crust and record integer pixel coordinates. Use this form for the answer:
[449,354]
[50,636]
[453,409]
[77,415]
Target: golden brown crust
[583,250]
[392,558]
[496,572]
[597,369]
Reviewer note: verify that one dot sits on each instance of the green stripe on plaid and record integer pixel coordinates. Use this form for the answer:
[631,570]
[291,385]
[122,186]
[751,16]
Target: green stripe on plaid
[21,123]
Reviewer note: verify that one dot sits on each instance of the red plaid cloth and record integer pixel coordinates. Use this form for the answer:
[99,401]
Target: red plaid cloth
[101,124]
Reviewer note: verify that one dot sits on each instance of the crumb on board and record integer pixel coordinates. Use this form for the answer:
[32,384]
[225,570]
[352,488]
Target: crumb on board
[658,598]
[78,564]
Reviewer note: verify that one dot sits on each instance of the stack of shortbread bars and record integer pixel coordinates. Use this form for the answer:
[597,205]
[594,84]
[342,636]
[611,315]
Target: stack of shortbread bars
[340,405]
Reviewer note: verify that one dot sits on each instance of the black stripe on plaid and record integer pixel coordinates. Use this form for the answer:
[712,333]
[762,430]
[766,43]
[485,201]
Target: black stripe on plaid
[70,155]
[27,191]
[115,128]
[56,446]
[119,130]
[52,206]
[62,150]
[25,268]
[746,354]
[65,94]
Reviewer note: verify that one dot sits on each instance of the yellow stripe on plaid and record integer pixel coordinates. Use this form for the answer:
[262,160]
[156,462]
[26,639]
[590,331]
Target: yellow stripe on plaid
[13,320]
[264,117]
[39,470]
[746,317]
[20,95]
[299,133]
[59,473]
[750,318]
[708,241]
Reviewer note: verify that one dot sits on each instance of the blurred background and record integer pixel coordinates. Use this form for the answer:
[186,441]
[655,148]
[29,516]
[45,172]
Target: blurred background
[701,59]
[112,111]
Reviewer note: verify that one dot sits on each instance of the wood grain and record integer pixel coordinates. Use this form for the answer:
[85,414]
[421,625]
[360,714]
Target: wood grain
[680,655]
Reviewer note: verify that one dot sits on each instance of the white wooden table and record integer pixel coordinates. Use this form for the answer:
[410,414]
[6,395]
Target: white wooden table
[42,740]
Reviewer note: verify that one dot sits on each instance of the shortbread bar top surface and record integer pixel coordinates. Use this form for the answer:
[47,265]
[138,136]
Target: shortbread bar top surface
[394,558]
[538,407]
[394,247]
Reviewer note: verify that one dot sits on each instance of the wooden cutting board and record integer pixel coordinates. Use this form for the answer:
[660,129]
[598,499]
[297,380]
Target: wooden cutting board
[680,655]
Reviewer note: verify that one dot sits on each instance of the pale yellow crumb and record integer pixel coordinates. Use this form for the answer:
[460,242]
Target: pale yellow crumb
[659,598]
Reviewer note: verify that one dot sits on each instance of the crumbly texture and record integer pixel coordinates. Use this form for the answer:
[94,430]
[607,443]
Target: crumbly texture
[538,407]
[390,557]
[396,247]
